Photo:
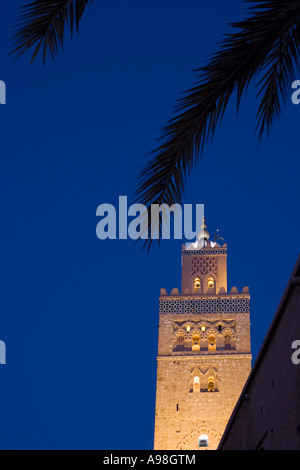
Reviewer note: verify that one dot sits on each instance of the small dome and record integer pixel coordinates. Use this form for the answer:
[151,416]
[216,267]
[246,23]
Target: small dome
[203,235]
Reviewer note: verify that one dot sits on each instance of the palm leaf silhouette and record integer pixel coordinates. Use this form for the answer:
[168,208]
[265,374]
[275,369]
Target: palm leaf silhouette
[42,25]
[263,46]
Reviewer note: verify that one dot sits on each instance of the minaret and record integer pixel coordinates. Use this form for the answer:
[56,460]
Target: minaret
[204,352]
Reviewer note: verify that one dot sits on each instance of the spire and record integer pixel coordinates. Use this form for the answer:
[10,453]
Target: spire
[202,239]
[203,235]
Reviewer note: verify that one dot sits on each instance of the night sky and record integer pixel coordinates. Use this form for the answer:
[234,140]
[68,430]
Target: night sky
[79,315]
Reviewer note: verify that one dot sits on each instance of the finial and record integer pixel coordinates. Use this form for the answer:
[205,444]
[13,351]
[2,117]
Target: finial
[203,235]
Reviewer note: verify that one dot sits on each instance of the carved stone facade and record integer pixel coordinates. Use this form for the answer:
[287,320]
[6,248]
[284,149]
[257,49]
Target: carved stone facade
[204,352]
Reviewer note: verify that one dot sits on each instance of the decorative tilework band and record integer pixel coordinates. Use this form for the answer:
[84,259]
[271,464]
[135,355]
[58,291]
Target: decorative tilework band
[240,305]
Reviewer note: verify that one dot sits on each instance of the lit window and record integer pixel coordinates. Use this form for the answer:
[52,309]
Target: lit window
[210,282]
[196,384]
[196,343]
[188,327]
[211,384]
[197,283]
[211,343]
[203,441]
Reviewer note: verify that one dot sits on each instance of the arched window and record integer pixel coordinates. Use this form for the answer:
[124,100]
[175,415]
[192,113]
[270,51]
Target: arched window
[196,385]
[210,282]
[196,343]
[203,441]
[197,284]
[179,345]
[211,384]
[227,344]
[211,343]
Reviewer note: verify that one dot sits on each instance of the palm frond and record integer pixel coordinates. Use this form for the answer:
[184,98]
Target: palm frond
[266,43]
[275,85]
[42,25]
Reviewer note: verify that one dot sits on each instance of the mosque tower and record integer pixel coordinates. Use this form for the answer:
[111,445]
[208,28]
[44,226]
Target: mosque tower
[204,351]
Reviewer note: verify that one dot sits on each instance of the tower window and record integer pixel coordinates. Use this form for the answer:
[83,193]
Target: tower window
[179,345]
[210,282]
[203,441]
[196,343]
[197,284]
[196,385]
[211,384]
[227,342]
[211,343]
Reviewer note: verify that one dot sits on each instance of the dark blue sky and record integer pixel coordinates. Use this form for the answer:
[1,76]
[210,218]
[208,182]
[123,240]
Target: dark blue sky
[78,315]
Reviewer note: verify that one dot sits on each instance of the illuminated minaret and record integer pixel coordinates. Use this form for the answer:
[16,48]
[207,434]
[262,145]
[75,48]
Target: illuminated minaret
[204,352]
